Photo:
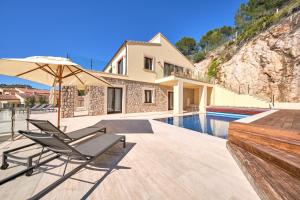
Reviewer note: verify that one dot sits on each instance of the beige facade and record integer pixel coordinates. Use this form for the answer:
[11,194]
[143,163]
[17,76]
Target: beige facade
[128,66]
[159,49]
[154,76]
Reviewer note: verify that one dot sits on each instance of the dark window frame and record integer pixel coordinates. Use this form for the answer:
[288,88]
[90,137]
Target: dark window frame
[151,63]
[118,66]
[150,99]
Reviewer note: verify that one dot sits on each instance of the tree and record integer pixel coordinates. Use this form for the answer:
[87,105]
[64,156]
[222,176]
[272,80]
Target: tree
[199,56]
[216,37]
[81,92]
[187,46]
[255,9]
[30,101]
[42,100]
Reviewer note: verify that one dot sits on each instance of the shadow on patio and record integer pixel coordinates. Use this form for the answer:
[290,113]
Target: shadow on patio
[126,126]
[106,164]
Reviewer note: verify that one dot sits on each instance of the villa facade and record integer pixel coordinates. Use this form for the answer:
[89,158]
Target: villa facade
[149,77]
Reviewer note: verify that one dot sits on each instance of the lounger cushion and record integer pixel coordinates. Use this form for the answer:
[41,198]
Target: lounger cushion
[98,145]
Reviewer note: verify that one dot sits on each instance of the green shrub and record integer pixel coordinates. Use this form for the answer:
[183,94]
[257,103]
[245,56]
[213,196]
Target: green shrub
[199,56]
[213,68]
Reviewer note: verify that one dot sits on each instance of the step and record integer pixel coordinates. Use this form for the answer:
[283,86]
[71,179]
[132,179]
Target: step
[279,139]
[269,181]
[288,134]
[287,161]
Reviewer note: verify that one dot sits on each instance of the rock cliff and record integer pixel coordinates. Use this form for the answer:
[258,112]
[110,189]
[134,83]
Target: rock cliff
[267,65]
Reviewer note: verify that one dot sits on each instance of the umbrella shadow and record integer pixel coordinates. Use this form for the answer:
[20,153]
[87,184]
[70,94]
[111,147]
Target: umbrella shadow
[111,167]
[125,126]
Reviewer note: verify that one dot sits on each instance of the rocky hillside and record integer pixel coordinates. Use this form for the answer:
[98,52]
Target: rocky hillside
[267,65]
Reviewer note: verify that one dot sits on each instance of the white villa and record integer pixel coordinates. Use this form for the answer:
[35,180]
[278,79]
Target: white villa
[154,76]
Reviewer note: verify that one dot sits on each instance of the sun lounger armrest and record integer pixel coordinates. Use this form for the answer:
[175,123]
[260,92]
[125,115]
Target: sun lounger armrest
[102,130]
[63,128]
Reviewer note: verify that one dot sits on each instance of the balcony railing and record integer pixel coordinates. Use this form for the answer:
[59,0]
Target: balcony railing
[186,73]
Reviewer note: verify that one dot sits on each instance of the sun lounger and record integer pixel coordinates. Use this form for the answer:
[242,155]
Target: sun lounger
[48,108]
[39,108]
[45,127]
[87,151]
[35,106]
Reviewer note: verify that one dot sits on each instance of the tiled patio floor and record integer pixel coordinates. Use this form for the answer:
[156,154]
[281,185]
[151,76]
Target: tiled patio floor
[170,163]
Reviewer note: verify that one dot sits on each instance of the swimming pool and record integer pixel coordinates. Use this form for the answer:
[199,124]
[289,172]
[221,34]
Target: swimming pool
[215,124]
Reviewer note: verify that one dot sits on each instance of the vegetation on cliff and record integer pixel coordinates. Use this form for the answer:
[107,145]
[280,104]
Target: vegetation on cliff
[251,18]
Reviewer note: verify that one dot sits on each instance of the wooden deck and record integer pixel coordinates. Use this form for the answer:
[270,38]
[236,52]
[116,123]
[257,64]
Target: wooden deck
[235,110]
[282,119]
[268,151]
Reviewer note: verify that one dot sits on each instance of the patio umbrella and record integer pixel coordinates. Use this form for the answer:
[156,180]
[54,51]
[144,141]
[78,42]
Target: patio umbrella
[50,71]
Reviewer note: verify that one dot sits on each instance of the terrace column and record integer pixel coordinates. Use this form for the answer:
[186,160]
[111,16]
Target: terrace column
[95,97]
[178,97]
[202,99]
[68,96]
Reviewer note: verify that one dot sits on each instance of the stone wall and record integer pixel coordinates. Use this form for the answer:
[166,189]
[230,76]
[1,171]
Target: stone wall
[68,95]
[134,92]
[95,100]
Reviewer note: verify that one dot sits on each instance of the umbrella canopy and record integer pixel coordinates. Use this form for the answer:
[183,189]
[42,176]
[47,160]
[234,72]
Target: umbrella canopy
[50,71]
[46,70]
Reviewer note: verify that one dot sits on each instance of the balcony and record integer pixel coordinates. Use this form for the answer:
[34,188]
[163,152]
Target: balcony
[183,72]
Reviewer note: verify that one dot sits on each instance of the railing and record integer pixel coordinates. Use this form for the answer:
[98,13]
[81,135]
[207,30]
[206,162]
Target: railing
[13,119]
[194,76]
[182,72]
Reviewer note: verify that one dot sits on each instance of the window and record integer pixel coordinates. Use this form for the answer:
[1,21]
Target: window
[148,96]
[120,66]
[110,69]
[148,63]
[170,69]
[178,69]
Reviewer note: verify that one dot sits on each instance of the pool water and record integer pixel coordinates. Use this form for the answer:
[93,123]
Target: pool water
[215,124]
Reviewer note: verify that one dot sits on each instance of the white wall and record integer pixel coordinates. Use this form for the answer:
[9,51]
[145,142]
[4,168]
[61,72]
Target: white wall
[114,63]
[161,51]
[223,97]
[165,52]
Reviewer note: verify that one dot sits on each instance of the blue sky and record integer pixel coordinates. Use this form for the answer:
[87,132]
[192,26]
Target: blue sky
[96,28]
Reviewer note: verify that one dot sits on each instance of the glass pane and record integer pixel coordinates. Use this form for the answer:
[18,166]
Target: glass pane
[120,67]
[118,100]
[170,99]
[148,96]
[110,98]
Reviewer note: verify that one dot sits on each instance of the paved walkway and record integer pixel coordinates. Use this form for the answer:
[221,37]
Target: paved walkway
[160,162]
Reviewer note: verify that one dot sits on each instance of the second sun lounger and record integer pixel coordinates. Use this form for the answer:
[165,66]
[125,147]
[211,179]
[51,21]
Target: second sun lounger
[47,127]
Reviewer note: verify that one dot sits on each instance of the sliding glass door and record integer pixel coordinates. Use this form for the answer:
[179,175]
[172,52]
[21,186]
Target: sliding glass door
[114,100]
[170,100]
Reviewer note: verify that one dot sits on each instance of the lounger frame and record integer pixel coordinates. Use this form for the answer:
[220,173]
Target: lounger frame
[8,157]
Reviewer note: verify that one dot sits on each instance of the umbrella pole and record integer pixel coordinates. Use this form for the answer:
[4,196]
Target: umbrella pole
[59,98]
